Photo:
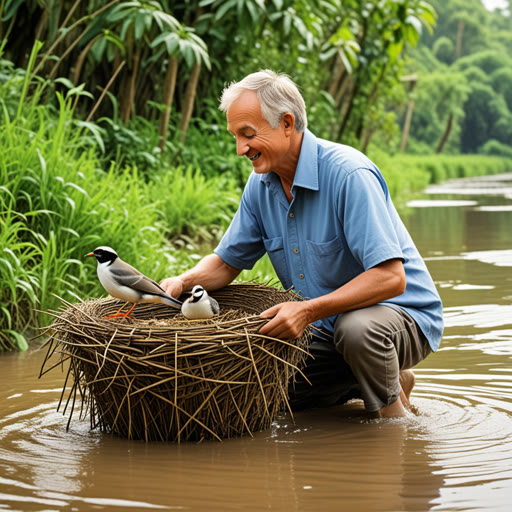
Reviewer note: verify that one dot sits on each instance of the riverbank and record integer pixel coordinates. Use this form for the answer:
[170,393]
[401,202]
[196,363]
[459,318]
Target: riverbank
[60,199]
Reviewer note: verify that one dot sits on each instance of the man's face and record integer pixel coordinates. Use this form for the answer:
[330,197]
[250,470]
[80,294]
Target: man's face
[264,147]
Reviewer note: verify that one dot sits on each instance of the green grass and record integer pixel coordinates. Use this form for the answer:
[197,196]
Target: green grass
[192,206]
[60,198]
[262,272]
[56,205]
[407,175]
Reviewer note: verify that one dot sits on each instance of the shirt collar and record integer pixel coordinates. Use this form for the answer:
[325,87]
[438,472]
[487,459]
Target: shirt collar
[306,174]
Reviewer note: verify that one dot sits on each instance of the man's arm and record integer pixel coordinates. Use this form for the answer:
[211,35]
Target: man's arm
[211,273]
[379,283]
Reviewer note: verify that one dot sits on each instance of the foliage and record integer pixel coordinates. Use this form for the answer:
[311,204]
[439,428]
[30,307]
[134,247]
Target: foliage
[471,48]
[442,167]
[444,92]
[487,116]
[493,147]
[346,55]
[444,50]
[193,205]
[56,205]
[93,120]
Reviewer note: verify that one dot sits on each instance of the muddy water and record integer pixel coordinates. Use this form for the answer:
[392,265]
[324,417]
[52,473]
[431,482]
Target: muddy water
[455,455]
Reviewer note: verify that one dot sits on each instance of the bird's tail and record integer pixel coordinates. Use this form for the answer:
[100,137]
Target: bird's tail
[171,301]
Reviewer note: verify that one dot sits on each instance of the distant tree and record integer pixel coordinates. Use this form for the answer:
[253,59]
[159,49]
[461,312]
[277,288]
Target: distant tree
[444,50]
[501,80]
[436,94]
[475,44]
[487,60]
[483,108]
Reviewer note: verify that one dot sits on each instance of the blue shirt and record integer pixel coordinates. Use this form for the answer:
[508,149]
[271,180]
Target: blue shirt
[340,223]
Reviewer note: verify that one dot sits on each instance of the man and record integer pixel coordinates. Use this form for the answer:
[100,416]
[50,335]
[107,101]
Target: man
[322,212]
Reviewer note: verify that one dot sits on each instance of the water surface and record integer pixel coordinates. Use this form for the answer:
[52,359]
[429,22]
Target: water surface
[456,454]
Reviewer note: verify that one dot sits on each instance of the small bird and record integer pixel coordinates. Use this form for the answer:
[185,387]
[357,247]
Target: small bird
[199,305]
[124,282]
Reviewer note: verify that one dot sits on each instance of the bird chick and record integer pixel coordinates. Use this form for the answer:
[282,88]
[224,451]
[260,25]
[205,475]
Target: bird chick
[124,282]
[199,305]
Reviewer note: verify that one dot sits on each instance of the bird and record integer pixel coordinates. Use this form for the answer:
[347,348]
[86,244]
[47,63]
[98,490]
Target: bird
[124,282]
[199,305]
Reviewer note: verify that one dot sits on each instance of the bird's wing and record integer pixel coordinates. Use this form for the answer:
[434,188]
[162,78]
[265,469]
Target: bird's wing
[134,279]
[215,306]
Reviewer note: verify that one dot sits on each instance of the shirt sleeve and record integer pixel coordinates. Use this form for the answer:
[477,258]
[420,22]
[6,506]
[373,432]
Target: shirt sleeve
[242,244]
[369,230]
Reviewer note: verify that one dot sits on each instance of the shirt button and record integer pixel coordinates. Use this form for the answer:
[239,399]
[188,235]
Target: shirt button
[291,215]
[296,251]
[301,276]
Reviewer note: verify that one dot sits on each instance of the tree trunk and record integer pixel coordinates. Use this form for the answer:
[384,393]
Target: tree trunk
[339,73]
[127,105]
[366,140]
[169,86]
[346,84]
[41,26]
[446,134]
[188,103]
[407,125]
[458,45]
[411,80]
[348,111]
[458,51]
[107,87]
[81,59]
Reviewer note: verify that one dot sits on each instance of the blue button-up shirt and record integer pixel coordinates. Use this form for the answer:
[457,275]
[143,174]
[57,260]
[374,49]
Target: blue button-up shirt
[340,223]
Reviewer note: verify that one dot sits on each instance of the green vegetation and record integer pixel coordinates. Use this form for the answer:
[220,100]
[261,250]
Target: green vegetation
[110,132]
[463,95]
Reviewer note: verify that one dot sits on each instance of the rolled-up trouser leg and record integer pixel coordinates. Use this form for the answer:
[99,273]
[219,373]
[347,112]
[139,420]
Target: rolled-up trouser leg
[377,342]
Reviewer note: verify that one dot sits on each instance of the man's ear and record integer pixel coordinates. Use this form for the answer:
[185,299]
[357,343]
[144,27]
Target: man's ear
[288,122]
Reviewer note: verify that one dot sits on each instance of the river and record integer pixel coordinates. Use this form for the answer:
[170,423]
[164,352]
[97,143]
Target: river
[456,454]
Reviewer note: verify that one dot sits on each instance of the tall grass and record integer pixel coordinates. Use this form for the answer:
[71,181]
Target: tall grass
[57,204]
[407,175]
[60,198]
[439,168]
[193,206]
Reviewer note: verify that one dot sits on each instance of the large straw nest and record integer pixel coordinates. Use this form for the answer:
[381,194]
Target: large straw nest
[158,376]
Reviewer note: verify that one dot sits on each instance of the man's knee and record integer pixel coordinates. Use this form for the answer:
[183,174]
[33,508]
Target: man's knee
[350,331]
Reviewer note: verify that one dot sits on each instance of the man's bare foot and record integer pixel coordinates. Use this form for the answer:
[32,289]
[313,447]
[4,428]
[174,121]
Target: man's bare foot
[407,381]
[394,410]
[398,408]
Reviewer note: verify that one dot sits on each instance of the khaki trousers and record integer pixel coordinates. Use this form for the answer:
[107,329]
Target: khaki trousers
[363,360]
[377,342]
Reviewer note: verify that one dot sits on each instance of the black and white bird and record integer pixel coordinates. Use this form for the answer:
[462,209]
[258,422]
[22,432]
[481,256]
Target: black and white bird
[199,305]
[124,282]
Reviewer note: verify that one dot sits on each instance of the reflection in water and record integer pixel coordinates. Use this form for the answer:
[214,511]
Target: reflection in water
[500,258]
[429,203]
[322,459]
[480,316]
[454,455]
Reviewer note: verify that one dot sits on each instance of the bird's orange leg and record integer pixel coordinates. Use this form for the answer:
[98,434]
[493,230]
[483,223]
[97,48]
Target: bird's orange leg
[119,314]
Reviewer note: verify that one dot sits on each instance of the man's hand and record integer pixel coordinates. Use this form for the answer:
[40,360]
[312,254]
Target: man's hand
[173,286]
[289,320]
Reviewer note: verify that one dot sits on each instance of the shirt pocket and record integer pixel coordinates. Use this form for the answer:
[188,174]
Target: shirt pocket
[326,262]
[275,251]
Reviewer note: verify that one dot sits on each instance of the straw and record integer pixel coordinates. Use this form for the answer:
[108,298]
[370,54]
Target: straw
[160,377]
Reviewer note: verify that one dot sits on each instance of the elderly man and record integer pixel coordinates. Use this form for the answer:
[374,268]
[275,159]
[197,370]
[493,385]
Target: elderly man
[323,214]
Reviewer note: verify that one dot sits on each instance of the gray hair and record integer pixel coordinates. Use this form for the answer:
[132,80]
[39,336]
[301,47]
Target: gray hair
[277,94]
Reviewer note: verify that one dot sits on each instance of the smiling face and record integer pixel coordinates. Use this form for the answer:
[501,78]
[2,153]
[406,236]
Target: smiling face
[268,149]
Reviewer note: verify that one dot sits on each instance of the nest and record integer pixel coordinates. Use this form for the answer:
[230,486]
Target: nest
[160,377]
